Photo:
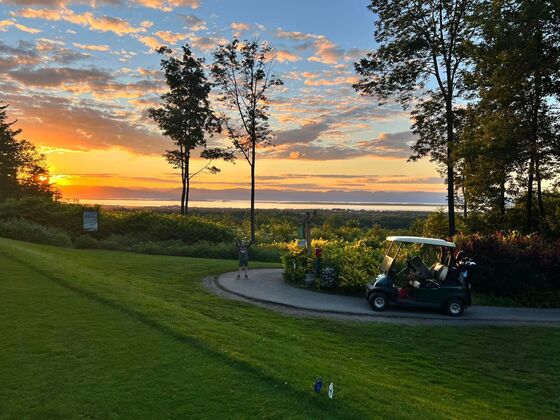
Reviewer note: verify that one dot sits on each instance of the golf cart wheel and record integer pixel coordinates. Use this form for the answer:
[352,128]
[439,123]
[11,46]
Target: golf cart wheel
[454,307]
[378,301]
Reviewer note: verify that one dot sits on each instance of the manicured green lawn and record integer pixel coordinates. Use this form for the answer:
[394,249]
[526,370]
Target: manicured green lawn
[105,334]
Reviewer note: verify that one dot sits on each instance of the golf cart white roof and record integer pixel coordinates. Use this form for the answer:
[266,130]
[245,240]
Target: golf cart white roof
[421,240]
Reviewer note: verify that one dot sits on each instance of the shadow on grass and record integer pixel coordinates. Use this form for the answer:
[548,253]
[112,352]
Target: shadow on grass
[335,409]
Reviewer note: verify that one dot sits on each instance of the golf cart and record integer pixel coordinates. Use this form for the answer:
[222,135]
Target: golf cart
[406,280]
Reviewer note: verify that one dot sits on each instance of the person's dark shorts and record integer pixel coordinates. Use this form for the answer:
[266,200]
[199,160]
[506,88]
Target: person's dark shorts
[243,263]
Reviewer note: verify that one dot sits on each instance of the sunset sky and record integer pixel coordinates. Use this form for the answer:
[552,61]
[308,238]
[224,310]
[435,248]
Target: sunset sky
[79,76]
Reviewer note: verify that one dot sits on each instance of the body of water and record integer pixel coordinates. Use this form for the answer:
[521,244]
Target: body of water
[242,204]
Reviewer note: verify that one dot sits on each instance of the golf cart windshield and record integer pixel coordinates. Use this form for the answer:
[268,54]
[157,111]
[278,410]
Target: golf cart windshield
[416,253]
[390,257]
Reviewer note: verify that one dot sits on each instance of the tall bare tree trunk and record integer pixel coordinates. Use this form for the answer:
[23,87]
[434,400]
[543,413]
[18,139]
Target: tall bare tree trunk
[183,195]
[450,171]
[253,161]
[183,181]
[463,192]
[529,204]
[502,203]
[539,190]
[533,150]
[187,171]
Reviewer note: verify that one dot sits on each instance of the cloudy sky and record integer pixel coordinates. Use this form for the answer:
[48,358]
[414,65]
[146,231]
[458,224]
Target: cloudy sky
[80,74]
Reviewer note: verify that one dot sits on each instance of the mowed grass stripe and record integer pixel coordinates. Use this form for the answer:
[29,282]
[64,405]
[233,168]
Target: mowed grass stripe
[379,369]
[93,349]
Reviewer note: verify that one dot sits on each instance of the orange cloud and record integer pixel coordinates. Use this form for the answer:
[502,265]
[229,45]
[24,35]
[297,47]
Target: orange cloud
[95,82]
[283,56]
[326,52]
[87,19]
[65,124]
[310,75]
[170,37]
[150,41]
[240,26]
[296,36]
[91,47]
[331,82]
[169,5]
[4,24]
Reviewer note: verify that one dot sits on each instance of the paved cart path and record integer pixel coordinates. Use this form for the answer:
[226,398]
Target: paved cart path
[266,287]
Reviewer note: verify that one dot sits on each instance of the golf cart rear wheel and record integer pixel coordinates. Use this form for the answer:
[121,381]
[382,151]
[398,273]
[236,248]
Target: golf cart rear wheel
[378,301]
[454,307]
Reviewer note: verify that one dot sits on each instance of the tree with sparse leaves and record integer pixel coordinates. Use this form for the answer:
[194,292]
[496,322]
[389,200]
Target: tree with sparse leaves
[23,170]
[422,51]
[185,116]
[243,73]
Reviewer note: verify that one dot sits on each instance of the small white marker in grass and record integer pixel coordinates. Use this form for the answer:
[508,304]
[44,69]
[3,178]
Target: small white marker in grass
[331,390]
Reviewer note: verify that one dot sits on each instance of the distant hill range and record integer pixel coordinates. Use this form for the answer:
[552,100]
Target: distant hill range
[400,197]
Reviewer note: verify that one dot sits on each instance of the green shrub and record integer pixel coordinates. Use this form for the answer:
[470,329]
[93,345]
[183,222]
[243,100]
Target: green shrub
[87,242]
[355,263]
[296,264]
[146,225]
[142,225]
[129,243]
[26,230]
[45,212]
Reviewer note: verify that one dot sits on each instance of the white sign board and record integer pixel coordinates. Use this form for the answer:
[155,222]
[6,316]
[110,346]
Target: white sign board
[90,220]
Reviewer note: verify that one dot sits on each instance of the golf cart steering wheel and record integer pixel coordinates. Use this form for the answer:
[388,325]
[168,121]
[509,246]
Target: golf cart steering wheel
[408,267]
[408,264]
[431,284]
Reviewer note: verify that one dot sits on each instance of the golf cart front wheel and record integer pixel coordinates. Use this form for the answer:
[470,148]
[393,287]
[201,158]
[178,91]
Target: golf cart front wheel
[454,307]
[378,301]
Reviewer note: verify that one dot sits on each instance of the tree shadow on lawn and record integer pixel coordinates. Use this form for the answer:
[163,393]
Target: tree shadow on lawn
[336,408]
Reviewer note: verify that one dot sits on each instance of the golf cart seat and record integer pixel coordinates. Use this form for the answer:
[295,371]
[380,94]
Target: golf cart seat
[439,272]
[420,269]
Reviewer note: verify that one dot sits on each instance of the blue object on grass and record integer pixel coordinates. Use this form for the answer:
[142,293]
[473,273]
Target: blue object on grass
[318,385]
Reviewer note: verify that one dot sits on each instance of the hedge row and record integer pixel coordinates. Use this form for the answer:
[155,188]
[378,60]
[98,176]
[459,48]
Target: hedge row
[26,230]
[524,268]
[141,225]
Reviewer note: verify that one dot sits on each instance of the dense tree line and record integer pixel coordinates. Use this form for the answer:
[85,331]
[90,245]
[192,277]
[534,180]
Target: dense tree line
[484,79]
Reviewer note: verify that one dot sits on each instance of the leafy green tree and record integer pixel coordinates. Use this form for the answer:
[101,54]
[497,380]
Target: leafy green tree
[516,80]
[23,170]
[421,52]
[185,116]
[243,73]
[486,158]
[10,156]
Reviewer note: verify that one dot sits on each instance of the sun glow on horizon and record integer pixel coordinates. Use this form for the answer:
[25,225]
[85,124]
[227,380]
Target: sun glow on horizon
[86,110]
